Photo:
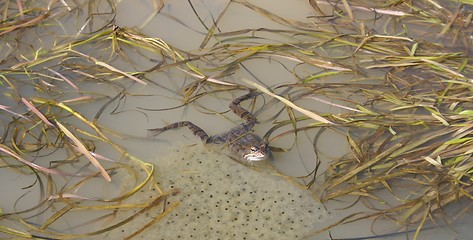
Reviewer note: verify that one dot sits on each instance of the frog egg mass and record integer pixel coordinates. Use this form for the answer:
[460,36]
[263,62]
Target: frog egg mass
[222,199]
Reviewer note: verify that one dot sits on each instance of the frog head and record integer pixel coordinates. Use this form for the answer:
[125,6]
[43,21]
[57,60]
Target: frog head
[256,152]
[249,148]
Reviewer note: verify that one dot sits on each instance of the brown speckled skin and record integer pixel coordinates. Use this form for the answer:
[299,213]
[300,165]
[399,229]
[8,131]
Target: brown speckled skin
[245,145]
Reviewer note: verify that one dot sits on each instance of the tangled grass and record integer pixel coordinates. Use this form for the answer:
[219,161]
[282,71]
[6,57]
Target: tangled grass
[399,73]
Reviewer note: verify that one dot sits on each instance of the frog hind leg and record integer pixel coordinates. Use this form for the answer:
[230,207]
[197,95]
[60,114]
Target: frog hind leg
[197,131]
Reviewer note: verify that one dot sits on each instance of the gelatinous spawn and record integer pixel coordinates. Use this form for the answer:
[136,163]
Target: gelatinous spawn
[221,199]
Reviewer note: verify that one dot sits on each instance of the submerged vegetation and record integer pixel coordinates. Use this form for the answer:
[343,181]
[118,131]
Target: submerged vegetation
[396,76]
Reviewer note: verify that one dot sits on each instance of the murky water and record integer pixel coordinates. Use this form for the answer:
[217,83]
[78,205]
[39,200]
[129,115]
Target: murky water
[159,103]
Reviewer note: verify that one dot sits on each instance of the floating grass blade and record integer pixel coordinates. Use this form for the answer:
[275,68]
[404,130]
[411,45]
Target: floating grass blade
[37,112]
[83,150]
[399,84]
[288,103]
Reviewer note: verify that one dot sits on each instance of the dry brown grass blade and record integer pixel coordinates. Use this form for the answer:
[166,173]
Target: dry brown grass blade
[288,103]
[276,18]
[37,112]
[169,208]
[402,96]
[6,109]
[84,151]
[211,32]
[57,215]
[23,23]
[109,67]
[155,201]
[358,186]
[10,152]
[157,7]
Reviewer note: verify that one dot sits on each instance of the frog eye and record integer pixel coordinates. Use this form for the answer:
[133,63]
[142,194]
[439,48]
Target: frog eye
[253,149]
